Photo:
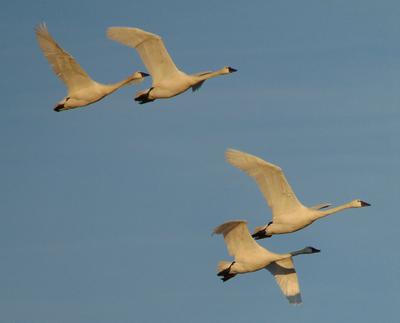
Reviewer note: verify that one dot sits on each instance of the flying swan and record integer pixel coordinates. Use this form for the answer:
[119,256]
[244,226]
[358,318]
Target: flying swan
[82,90]
[288,214]
[168,80]
[250,256]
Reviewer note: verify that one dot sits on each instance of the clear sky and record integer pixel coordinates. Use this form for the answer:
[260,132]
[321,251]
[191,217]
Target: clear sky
[106,211]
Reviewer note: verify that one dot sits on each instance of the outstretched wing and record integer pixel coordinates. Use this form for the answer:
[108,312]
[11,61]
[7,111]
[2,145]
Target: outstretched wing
[238,240]
[270,180]
[286,277]
[63,64]
[150,48]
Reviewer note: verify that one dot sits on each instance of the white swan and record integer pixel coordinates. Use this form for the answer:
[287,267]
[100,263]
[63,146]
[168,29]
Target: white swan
[288,214]
[168,80]
[82,90]
[250,256]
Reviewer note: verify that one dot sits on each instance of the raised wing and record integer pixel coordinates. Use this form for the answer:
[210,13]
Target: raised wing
[150,48]
[270,180]
[62,63]
[321,206]
[286,277]
[238,240]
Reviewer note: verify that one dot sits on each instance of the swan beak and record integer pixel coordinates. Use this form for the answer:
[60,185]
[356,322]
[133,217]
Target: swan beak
[364,204]
[231,70]
[59,107]
[315,250]
[144,74]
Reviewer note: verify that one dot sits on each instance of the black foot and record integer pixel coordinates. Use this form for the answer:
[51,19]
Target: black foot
[144,98]
[259,235]
[227,277]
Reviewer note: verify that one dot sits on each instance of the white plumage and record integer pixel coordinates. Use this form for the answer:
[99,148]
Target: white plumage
[82,90]
[168,80]
[249,256]
[288,213]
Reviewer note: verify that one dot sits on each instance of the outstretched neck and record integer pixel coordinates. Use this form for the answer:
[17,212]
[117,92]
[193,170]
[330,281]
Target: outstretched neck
[304,251]
[209,75]
[321,214]
[110,88]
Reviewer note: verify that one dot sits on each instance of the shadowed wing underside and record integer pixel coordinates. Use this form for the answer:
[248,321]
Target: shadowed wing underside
[286,277]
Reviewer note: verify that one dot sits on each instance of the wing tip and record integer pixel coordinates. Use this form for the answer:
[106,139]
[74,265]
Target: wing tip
[295,299]
[229,225]
[241,159]
[41,28]
[127,35]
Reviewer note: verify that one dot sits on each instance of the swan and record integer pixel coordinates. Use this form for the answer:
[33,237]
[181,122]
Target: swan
[288,214]
[250,256]
[168,80]
[82,90]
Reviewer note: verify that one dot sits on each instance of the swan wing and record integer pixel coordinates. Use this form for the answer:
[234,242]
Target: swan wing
[286,278]
[151,50]
[270,179]
[62,63]
[238,240]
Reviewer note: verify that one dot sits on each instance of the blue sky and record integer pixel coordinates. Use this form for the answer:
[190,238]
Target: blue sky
[106,212]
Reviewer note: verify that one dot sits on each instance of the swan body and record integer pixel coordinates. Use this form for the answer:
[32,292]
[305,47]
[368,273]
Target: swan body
[288,213]
[250,256]
[82,90]
[168,80]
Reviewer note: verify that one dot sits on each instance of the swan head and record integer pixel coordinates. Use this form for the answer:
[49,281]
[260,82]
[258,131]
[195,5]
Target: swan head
[306,250]
[228,70]
[359,203]
[311,250]
[141,74]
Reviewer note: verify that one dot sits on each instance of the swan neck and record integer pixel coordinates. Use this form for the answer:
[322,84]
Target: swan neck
[297,252]
[335,209]
[115,86]
[210,75]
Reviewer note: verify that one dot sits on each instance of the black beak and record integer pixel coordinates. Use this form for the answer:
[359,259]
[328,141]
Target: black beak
[231,70]
[59,107]
[144,74]
[365,204]
[315,250]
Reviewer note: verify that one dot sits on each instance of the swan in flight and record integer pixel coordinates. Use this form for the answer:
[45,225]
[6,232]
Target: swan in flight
[288,214]
[250,256]
[82,90]
[168,80]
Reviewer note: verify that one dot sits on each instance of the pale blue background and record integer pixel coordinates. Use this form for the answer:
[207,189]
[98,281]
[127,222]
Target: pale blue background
[106,212]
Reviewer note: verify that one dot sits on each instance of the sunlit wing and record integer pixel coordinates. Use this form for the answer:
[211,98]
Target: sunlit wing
[286,277]
[238,240]
[151,50]
[270,180]
[62,63]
